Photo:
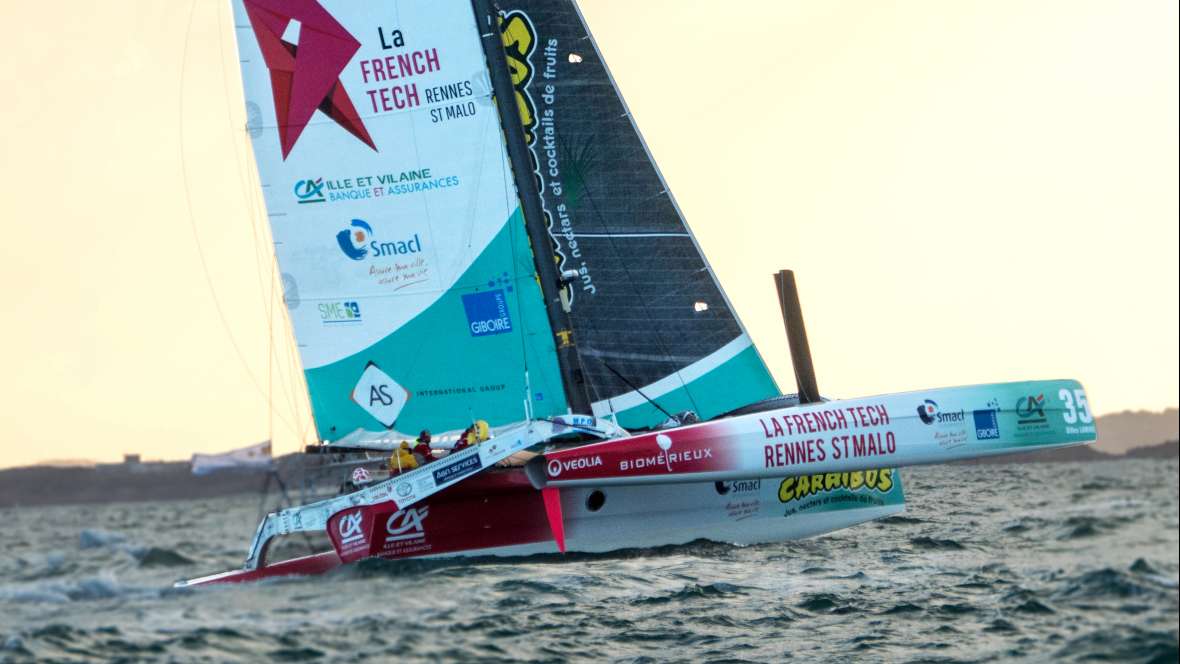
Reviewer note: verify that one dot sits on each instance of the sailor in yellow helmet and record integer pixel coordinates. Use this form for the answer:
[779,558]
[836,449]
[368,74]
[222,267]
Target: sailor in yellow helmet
[481,431]
[473,435]
[402,459]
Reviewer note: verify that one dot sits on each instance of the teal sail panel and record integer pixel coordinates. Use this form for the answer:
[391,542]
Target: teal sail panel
[406,266]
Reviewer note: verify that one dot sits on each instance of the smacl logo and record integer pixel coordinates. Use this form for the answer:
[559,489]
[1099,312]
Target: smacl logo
[737,487]
[357,242]
[310,191]
[487,313]
[929,413]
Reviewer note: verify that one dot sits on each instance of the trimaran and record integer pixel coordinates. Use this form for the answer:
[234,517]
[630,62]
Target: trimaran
[469,226]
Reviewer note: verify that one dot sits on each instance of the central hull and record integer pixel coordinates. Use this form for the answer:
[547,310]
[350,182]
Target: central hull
[500,514]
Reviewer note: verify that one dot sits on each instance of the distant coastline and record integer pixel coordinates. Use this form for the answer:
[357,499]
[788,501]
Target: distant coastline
[1126,435]
[164,481]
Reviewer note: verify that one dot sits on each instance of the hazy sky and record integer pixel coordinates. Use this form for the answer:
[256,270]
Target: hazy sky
[968,191]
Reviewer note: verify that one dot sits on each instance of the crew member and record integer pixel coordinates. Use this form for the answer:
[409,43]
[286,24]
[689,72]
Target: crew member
[402,459]
[422,452]
[466,438]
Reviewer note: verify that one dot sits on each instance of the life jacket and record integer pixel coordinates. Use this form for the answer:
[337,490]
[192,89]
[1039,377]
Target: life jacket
[481,431]
[402,460]
[423,450]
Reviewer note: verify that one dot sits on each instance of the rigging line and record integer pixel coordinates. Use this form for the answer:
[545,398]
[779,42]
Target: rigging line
[270,358]
[251,201]
[300,379]
[638,391]
[192,217]
[261,256]
[243,180]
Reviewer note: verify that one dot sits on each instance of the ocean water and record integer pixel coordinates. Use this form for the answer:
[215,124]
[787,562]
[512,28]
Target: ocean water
[1049,562]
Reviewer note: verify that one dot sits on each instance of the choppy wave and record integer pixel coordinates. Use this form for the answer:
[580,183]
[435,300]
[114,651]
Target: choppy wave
[980,568]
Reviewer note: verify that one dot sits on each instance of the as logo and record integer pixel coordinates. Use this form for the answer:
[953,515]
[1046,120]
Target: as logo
[305,65]
[310,191]
[352,240]
[379,395]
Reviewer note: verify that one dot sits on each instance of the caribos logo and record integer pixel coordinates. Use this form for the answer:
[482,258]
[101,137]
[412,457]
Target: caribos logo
[305,50]
[1030,409]
[357,242]
[803,486]
[406,524]
[310,191]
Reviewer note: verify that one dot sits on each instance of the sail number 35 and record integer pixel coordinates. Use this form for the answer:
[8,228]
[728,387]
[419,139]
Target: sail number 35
[1075,406]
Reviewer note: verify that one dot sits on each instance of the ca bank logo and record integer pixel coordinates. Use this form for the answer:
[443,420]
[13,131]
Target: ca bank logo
[353,240]
[407,524]
[350,529]
[1030,409]
[310,191]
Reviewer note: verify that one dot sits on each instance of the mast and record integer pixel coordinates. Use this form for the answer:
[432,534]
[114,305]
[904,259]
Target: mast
[572,379]
[788,299]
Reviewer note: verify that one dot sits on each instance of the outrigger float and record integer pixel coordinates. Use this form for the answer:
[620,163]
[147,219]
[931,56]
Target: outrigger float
[535,271]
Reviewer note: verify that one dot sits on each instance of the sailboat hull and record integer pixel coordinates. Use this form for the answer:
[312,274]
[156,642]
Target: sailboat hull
[501,514]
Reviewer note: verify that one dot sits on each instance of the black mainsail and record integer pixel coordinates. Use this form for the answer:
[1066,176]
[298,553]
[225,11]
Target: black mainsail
[653,331]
